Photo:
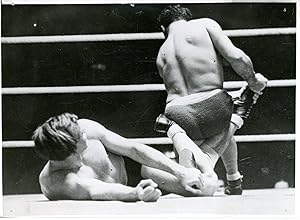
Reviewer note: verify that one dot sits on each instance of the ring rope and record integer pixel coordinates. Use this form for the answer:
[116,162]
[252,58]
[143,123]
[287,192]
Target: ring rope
[166,141]
[125,88]
[136,36]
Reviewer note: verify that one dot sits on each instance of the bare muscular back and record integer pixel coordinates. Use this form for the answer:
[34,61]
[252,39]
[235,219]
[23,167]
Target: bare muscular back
[97,163]
[188,61]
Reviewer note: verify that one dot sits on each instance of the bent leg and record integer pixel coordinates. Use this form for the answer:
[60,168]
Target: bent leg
[205,153]
[168,183]
[191,153]
[229,155]
[233,176]
[227,150]
[225,145]
[183,145]
[221,141]
[214,146]
[230,158]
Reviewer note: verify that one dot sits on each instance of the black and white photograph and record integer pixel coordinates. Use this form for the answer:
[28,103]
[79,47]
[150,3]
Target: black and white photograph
[170,108]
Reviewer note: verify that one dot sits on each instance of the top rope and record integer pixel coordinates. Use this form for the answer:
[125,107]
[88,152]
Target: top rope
[136,36]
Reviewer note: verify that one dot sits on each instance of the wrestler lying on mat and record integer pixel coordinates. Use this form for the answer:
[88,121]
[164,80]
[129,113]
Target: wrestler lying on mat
[86,163]
[190,63]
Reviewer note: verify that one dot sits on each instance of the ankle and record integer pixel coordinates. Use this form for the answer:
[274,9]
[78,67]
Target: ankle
[234,176]
[235,183]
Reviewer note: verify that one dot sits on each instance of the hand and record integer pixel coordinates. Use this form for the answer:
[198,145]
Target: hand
[146,191]
[192,180]
[258,84]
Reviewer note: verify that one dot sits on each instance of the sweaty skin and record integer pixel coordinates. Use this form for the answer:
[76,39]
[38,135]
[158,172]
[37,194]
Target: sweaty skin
[189,60]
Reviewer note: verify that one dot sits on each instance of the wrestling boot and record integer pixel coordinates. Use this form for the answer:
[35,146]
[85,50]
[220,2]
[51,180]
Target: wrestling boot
[162,124]
[243,104]
[234,187]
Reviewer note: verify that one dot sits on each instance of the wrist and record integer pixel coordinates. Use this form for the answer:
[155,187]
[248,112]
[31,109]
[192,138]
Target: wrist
[251,79]
[134,194]
[180,172]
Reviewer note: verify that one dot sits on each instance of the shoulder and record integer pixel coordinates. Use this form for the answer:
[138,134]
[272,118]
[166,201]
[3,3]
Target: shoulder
[206,22]
[92,128]
[88,123]
[54,185]
[44,175]
[62,185]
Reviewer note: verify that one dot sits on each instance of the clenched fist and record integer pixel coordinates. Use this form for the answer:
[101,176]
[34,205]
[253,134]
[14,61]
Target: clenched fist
[147,191]
[258,84]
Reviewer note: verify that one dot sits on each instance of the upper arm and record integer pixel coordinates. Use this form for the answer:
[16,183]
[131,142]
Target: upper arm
[92,129]
[77,188]
[93,189]
[86,188]
[111,141]
[159,63]
[60,186]
[221,41]
[117,144]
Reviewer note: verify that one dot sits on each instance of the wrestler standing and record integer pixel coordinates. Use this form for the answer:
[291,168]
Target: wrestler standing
[198,108]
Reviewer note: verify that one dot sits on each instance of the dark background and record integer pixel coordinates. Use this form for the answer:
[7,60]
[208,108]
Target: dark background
[132,114]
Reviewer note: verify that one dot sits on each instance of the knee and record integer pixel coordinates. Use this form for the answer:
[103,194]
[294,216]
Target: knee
[221,139]
[210,184]
[210,190]
[228,135]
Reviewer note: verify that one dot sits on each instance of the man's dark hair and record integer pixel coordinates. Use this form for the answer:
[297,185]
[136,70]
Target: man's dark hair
[173,13]
[56,139]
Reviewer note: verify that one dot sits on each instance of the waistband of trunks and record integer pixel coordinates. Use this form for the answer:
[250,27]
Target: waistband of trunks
[194,98]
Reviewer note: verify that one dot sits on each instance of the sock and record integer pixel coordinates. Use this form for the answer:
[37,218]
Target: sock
[174,129]
[234,176]
[237,120]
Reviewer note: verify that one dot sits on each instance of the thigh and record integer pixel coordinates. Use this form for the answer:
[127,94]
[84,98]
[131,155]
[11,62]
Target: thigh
[220,141]
[167,182]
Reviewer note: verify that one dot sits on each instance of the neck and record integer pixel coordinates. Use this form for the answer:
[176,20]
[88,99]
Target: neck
[174,26]
[73,161]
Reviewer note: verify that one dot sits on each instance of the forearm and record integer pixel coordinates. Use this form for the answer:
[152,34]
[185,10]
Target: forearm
[243,66]
[141,153]
[153,158]
[114,192]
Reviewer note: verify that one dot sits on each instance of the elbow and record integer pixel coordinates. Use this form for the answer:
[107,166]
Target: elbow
[91,193]
[94,194]
[237,56]
[135,150]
